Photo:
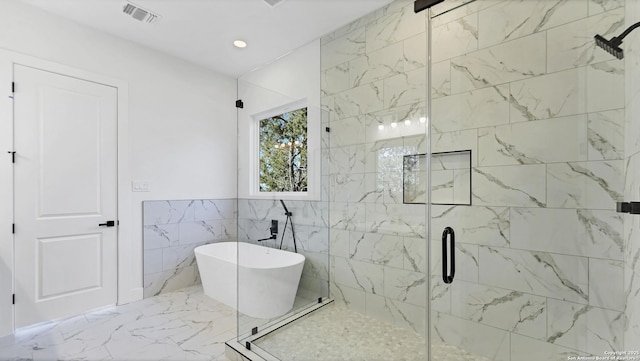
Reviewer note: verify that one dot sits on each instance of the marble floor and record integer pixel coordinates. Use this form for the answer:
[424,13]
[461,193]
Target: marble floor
[187,325]
[335,333]
[182,325]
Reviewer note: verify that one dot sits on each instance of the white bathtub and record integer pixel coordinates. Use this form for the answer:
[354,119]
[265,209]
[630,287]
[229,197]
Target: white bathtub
[268,277]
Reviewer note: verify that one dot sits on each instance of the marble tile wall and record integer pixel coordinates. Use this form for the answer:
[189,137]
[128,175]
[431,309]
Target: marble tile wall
[310,223]
[172,230]
[374,90]
[632,178]
[541,251]
[545,265]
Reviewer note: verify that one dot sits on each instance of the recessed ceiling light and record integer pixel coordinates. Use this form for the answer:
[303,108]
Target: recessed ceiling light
[240,44]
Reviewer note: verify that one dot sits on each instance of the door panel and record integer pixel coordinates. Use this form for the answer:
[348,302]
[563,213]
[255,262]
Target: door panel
[56,277]
[69,187]
[66,169]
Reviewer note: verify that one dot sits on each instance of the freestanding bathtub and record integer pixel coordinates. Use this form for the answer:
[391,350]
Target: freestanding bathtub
[268,277]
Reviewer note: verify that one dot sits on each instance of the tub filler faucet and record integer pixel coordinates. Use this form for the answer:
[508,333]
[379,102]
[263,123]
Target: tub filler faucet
[273,229]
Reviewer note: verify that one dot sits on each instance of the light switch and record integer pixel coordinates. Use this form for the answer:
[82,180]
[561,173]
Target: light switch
[140,186]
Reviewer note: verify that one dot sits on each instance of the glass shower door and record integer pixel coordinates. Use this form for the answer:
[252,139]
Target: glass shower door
[527,127]
[283,237]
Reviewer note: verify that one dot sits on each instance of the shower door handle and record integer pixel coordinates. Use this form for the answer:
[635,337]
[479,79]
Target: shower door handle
[448,255]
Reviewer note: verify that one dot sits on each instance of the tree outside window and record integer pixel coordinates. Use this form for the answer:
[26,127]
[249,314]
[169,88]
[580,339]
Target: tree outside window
[283,152]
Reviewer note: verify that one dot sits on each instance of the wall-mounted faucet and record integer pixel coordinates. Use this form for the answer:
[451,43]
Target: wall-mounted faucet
[273,230]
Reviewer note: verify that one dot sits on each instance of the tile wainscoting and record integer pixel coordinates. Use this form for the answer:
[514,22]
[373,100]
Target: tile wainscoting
[172,229]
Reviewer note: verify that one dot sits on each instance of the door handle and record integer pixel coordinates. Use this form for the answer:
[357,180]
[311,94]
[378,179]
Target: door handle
[108,224]
[448,269]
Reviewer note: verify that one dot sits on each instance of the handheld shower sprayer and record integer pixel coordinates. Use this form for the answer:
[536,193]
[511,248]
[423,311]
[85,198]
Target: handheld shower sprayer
[286,211]
[293,233]
[612,46]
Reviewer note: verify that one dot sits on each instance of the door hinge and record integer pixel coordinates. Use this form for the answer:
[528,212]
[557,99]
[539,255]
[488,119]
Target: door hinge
[239,104]
[327,129]
[13,156]
[13,299]
[13,228]
[13,87]
[420,5]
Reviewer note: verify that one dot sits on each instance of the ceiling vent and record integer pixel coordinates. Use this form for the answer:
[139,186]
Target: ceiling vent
[273,3]
[141,14]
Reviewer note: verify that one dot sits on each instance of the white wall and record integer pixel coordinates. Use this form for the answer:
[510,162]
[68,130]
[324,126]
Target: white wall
[290,78]
[182,120]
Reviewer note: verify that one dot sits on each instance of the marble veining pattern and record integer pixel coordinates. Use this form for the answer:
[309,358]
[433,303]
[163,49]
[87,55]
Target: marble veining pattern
[483,107]
[506,309]
[528,143]
[605,86]
[632,183]
[598,6]
[522,185]
[511,20]
[396,25]
[579,232]
[547,96]
[346,47]
[455,38]
[473,337]
[539,273]
[182,325]
[606,135]
[594,185]
[477,225]
[172,230]
[467,261]
[310,222]
[568,47]
[523,86]
[515,60]
[584,327]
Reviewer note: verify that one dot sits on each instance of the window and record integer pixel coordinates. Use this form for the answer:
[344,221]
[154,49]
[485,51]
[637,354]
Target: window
[283,152]
[291,170]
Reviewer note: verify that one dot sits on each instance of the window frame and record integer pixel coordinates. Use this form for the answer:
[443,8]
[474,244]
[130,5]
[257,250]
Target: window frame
[313,153]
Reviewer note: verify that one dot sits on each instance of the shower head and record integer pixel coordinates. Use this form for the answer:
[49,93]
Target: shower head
[610,46]
[613,46]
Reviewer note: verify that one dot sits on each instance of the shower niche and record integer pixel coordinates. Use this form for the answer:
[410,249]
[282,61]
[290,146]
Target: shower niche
[450,178]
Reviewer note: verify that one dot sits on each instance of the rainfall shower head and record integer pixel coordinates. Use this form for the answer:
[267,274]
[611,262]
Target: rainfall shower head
[610,46]
[613,46]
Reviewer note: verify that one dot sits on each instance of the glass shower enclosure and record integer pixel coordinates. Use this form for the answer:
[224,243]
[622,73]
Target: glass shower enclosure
[473,156]
[283,235]
[544,265]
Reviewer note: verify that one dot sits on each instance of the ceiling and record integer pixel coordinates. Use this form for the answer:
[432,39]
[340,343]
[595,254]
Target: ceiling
[203,31]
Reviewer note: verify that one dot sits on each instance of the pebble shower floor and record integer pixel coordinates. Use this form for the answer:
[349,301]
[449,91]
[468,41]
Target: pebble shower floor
[334,333]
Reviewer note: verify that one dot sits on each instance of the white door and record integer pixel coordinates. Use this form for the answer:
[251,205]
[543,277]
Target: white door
[65,186]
